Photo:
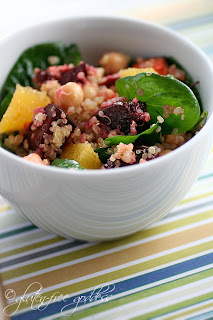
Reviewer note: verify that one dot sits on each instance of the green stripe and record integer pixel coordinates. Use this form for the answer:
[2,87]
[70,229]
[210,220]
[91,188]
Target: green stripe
[17,231]
[142,295]
[206,176]
[16,272]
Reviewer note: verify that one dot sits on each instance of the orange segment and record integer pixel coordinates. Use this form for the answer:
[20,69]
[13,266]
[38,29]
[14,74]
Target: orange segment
[83,153]
[133,71]
[20,109]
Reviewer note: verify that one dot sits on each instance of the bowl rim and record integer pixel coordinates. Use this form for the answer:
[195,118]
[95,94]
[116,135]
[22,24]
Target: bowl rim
[49,170]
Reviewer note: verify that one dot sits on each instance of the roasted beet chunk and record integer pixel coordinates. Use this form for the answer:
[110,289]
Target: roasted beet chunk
[72,75]
[110,79]
[127,116]
[41,76]
[64,74]
[48,131]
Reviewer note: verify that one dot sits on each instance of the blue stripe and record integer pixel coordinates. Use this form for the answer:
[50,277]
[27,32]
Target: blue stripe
[123,286]
[204,316]
[192,22]
[208,50]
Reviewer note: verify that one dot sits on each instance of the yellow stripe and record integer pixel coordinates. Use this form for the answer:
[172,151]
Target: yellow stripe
[5,207]
[201,196]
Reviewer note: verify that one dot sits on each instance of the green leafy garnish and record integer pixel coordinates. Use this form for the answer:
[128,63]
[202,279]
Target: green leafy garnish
[188,81]
[145,137]
[66,163]
[159,91]
[103,154]
[2,145]
[35,57]
[202,117]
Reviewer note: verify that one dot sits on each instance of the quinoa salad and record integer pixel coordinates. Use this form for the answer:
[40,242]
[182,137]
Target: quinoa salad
[55,109]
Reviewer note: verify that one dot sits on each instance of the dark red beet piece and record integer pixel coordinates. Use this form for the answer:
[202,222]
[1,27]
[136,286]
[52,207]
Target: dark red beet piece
[41,76]
[119,115]
[110,79]
[36,137]
[63,75]
[71,75]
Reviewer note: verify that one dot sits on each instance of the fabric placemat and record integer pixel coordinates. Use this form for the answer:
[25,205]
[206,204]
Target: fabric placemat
[164,272]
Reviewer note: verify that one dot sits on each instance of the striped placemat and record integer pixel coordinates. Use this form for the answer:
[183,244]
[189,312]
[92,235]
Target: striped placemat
[164,272]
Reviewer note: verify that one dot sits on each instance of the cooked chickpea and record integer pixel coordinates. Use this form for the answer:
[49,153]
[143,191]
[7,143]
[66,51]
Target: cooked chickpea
[90,91]
[162,153]
[113,62]
[69,95]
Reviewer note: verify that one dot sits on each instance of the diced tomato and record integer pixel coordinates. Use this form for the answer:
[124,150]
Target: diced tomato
[161,66]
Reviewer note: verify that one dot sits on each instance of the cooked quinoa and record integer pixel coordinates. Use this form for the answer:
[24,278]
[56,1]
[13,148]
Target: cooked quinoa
[86,108]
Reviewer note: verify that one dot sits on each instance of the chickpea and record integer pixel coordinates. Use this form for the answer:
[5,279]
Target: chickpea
[113,62]
[162,153]
[69,95]
[90,91]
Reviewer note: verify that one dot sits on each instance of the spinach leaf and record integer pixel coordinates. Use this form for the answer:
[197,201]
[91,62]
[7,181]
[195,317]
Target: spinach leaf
[103,154]
[35,57]
[159,91]
[188,81]
[144,137]
[2,145]
[66,163]
[202,117]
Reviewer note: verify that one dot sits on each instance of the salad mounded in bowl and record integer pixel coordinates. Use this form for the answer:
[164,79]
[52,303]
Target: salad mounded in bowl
[57,110]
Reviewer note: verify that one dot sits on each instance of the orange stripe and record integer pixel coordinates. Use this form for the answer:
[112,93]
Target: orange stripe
[111,260]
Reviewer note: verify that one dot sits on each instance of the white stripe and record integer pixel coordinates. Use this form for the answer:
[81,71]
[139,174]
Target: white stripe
[42,248]
[200,188]
[7,211]
[182,216]
[2,201]
[25,244]
[16,227]
[23,234]
[99,254]
[193,203]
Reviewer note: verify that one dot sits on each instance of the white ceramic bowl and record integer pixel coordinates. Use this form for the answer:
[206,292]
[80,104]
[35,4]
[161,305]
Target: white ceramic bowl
[107,204]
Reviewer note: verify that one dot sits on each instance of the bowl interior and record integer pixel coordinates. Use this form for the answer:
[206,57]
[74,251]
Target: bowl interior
[95,35]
